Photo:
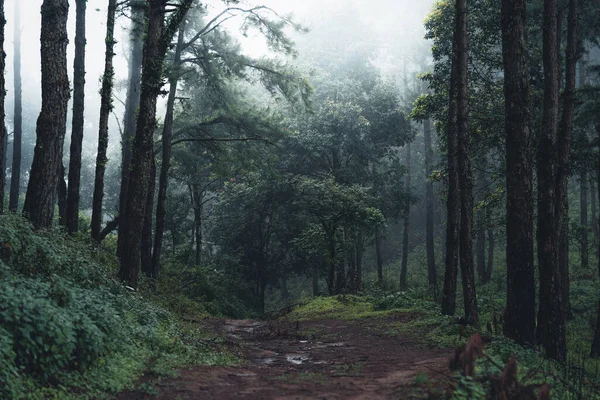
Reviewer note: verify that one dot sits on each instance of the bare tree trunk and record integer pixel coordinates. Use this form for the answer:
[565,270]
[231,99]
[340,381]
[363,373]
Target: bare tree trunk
[166,153]
[453,201]
[105,108]
[404,269]
[519,319]
[594,217]
[480,245]
[62,196]
[3,135]
[197,204]
[551,325]
[72,217]
[132,101]
[490,255]
[15,181]
[315,280]
[467,267]
[52,121]
[595,353]
[146,246]
[583,220]
[378,256]
[158,38]
[429,211]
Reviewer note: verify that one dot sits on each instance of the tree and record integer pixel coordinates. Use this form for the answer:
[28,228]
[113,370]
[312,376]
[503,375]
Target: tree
[159,33]
[519,319]
[465,175]
[51,124]
[551,326]
[105,108]
[429,209]
[132,100]
[404,269]
[3,139]
[72,217]
[15,180]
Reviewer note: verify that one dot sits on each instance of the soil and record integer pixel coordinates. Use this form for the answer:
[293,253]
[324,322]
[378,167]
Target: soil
[321,359]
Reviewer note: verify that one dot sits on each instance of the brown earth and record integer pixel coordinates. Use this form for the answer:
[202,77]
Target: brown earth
[321,359]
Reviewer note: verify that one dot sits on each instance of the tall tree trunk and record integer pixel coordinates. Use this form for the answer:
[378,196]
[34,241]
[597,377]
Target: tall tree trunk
[519,318]
[72,220]
[467,265]
[480,245]
[360,246]
[378,257]
[52,121]
[146,246]
[565,133]
[331,261]
[404,269]
[62,196]
[429,210]
[315,280]
[598,177]
[15,181]
[105,108]
[197,198]
[132,101]
[3,135]
[166,152]
[490,255]
[158,38]
[285,293]
[453,202]
[551,325]
[594,217]
[595,353]
[583,220]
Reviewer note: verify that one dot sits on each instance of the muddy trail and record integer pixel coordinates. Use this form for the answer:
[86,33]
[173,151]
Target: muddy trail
[321,359]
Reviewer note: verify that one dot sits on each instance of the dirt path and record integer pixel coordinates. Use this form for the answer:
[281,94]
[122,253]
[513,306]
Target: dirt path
[322,359]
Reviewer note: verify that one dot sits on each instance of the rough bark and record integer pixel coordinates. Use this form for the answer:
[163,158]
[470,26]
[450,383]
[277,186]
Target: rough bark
[594,216]
[51,124]
[519,318]
[404,268]
[132,101]
[105,108]
[429,210]
[167,134]
[565,133]
[583,220]
[490,254]
[146,246]
[15,181]
[467,265]
[72,217]
[551,325]
[480,244]
[62,196]
[3,136]
[595,353]
[453,201]
[378,257]
[158,38]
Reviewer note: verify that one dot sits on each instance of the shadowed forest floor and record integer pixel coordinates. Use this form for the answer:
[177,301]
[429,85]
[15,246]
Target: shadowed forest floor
[314,359]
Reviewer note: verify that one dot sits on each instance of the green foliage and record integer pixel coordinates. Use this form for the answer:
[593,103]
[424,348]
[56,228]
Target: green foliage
[65,323]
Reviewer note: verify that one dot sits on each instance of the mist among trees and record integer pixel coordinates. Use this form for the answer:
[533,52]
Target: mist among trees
[342,189]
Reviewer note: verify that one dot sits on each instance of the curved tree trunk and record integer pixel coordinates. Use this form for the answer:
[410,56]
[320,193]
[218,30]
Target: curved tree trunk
[158,38]
[132,101]
[52,121]
[15,181]
[167,134]
[72,217]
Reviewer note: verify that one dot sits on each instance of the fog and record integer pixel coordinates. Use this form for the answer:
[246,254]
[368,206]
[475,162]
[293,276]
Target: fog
[394,28]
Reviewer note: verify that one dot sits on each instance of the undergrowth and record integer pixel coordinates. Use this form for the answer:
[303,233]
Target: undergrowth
[69,330]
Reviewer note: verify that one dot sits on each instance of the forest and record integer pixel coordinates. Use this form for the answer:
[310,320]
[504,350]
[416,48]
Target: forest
[261,199]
